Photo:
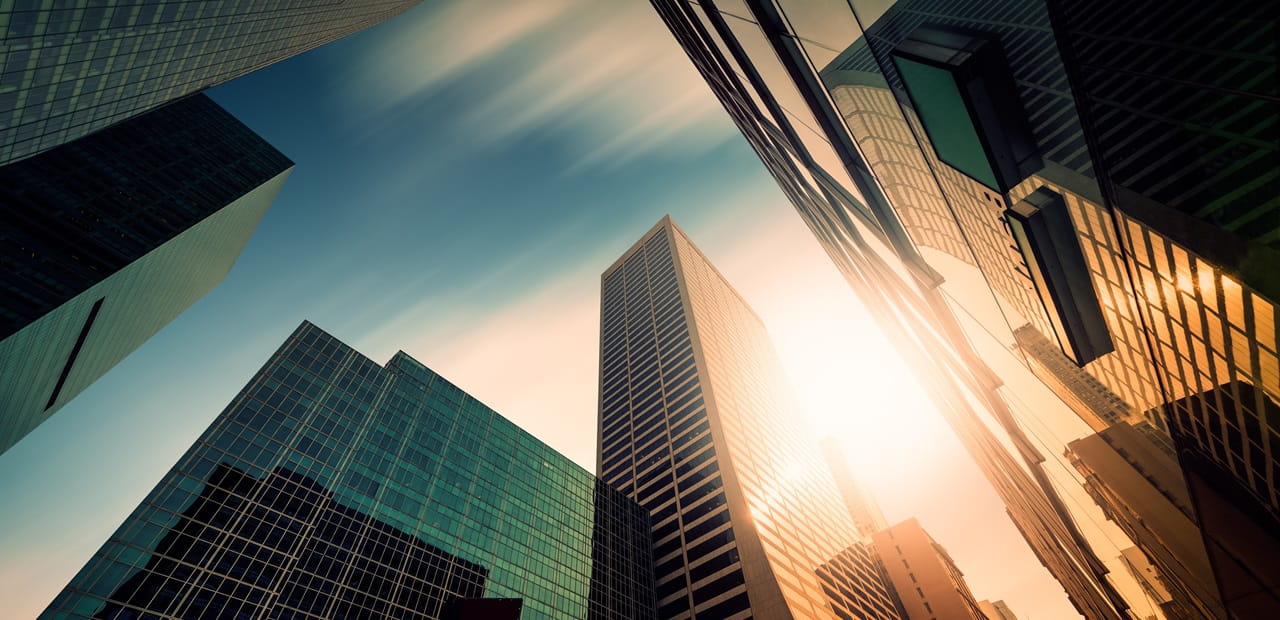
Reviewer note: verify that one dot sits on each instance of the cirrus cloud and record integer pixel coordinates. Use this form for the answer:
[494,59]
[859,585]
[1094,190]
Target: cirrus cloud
[605,76]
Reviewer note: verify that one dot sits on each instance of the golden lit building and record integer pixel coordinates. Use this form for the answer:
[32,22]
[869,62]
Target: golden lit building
[927,580]
[996,610]
[699,425]
[971,170]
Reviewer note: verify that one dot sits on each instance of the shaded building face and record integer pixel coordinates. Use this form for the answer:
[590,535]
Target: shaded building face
[1186,140]
[71,69]
[335,487]
[1241,535]
[979,173]
[697,424]
[106,239]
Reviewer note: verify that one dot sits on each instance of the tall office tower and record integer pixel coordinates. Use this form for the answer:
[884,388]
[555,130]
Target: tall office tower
[983,175]
[699,426]
[71,69]
[105,240]
[332,487]
[997,610]
[1139,487]
[926,578]
[866,513]
[1094,402]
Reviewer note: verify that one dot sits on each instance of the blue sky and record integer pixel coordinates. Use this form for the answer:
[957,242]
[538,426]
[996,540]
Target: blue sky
[462,179]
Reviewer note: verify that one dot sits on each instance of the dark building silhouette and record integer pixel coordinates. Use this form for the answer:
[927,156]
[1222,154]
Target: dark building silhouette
[1238,521]
[247,545]
[332,486]
[1179,100]
[105,240]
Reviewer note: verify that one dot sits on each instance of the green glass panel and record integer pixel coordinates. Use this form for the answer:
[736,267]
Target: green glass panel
[941,107]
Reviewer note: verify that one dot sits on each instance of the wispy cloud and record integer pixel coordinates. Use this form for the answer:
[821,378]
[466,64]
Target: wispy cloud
[441,40]
[605,76]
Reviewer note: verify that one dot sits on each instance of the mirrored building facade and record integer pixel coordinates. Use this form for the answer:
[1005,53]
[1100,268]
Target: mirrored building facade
[105,240]
[699,425]
[335,487]
[1076,192]
[73,68]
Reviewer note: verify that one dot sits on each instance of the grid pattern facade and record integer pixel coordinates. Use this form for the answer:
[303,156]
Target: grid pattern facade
[252,540]
[72,68]
[332,486]
[1029,44]
[655,441]
[1208,330]
[78,213]
[887,142]
[697,425]
[1194,130]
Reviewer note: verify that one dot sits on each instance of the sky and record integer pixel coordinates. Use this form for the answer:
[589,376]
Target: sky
[463,177]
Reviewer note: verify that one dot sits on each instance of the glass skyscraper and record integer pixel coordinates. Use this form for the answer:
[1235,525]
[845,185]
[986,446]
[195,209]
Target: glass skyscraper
[335,487]
[72,68]
[1056,189]
[105,240]
[699,426]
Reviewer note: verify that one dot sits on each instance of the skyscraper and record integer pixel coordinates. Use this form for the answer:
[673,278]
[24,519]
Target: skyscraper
[1184,142]
[71,69]
[1140,488]
[922,572]
[699,426]
[1083,184]
[105,240]
[922,578]
[335,487]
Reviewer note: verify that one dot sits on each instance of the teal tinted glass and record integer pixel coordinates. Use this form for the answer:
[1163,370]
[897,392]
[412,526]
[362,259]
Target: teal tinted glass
[942,110]
[333,487]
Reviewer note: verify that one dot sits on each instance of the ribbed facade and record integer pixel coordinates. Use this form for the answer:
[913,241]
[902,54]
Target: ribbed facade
[697,425]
